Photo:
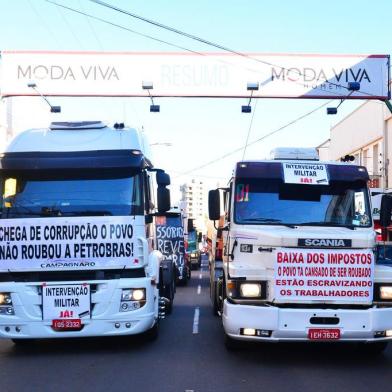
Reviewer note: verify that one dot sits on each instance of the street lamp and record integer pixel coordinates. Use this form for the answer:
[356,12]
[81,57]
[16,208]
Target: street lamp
[53,109]
[149,86]
[351,86]
[251,86]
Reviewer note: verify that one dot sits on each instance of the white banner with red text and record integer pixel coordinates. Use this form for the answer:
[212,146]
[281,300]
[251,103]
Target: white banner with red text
[330,275]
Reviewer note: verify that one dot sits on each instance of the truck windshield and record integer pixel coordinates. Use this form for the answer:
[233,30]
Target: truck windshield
[74,193]
[272,202]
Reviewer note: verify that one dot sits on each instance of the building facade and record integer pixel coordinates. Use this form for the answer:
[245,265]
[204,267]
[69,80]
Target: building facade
[193,202]
[366,135]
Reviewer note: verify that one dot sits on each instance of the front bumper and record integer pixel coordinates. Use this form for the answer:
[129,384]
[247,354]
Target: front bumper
[194,259]
[293,324]
[106,319]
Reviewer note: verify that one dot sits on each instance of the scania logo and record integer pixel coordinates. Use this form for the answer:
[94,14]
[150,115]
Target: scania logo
[324,243]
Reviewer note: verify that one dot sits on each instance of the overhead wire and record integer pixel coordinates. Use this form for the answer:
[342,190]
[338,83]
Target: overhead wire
[249,129]
[199,53]
[91,27]
[192,37]
[122,27]
[43,23]
[281,128]
[208,42]
[70,28]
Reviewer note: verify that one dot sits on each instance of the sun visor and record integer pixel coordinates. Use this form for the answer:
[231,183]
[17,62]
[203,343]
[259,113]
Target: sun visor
[274,170]
[108,159]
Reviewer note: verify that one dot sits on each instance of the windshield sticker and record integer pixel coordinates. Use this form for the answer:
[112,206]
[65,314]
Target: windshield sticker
[305,173]
[242,193]
[360,214]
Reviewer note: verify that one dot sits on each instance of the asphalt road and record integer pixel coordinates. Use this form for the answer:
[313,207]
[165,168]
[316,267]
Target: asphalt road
[181,360]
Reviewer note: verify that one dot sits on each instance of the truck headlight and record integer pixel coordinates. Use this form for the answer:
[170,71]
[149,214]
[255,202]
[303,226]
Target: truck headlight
[133,295]
[6,307]
[138,294]
[386,292]
[5,299]
[250,290]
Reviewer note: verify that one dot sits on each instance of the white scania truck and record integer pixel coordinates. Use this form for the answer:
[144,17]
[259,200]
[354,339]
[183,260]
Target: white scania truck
[77,236]
[298,258]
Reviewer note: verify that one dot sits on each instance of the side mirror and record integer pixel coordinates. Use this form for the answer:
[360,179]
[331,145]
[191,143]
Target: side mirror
[163,179]
[214,204]
[163,195]
[190,226]
[385,210]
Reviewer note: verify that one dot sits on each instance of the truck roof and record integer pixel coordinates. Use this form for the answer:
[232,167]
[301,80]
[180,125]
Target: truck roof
[80,136]
[312,162]
[337,171]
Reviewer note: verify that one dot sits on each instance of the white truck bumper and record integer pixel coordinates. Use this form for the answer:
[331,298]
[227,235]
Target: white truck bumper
[106,318]
[293,324]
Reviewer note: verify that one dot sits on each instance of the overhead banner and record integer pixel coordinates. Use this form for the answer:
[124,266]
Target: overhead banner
[330,275]
[67,243]
[194,75]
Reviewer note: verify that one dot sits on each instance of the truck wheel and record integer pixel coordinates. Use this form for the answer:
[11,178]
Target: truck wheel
[23,342]
[169,294]
[152,333]
[220,295]
[232,344]
[374,348]
[184,281]
[214,295]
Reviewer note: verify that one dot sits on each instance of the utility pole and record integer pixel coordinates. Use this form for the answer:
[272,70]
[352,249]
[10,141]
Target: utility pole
[385,149]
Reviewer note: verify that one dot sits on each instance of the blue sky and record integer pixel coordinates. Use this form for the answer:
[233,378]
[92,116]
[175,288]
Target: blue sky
[202,130]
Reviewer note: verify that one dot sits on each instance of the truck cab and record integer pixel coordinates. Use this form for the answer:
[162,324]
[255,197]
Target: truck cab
[77,239]
[298,258]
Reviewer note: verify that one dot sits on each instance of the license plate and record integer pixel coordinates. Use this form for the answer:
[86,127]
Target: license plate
[67,324]
[66,302]
[324,334]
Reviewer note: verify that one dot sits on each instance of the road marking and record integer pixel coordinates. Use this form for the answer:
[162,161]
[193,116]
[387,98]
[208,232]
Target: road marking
[196,321]
[200,276]
[198,289]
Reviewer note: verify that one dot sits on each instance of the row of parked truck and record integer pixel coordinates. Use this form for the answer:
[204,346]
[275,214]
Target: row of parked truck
[90,247]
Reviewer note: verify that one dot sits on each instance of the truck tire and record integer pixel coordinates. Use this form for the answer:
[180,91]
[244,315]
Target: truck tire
[232,344]
[214,298]
[169,294]
[152,334]
[22,342]
[184,281]
[220,295]
[374,349]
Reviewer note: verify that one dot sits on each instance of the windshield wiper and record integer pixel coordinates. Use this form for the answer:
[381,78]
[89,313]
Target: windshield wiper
[88,213]
[271,220]
[330,224]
